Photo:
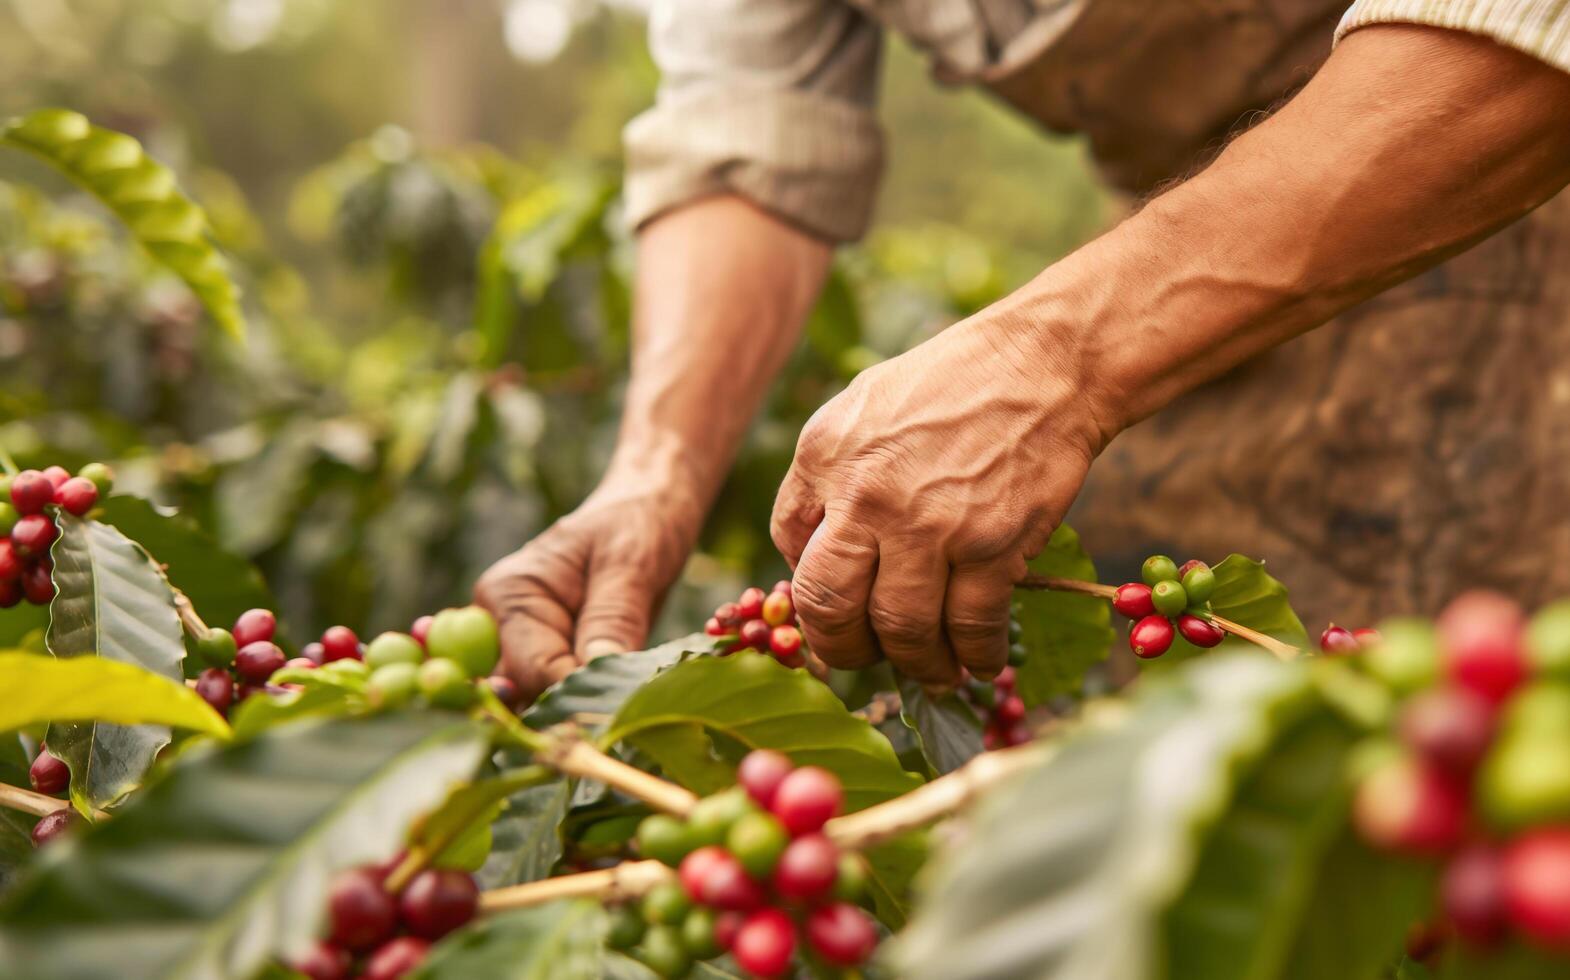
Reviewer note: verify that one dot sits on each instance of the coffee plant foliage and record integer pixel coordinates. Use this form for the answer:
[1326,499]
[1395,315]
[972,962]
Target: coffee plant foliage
[364,467]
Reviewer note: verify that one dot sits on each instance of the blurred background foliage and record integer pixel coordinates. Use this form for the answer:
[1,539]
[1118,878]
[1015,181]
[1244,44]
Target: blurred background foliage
[420,200]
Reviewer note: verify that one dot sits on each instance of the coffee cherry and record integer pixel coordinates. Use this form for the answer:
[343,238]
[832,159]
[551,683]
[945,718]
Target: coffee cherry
[8,518]
[663,952]
[761,773]
[1200,631]
[1009,711]
[698,934]
[1337,639]
[1541,709]
[711,817]
[48,774]
[1525,781]
[10,561]
[727,886]
[300,663]
[783,585]
[765,943]
[807,799]
[1006,679]
[57,475]
[1367,636]
[347,669]
[807,869]
[1199,581]
[388,648]
[360,912]
[506,691]
[34,534]
[1132,599]
[77,495]
[38,583]
[444,683]
[1407,656]
[31,491]
[850,883]
[842,934]
[1472,895]
[757,840]
[1158,568]
[52,825]
[750,605]
[216,687]
[625,927]
[664,839]
[438,901]
[466,636]
[1536,877]
[728,613]
[778,608]
[314,653]
[1410,807]
[755,634]
[714,628]
[785,642]
[1168,598]
[10,593]
[1482,634]
[216,647]
[726,926]
[666,904]
[392,686]
[99,475]
[696,867]
[324,961]
[1150,637]
[340,643]
[421,628]
[254,626]
[257,661]
[1449,727]
[395,958]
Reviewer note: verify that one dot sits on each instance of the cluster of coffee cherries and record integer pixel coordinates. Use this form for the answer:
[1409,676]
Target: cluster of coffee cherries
[1338,640]
[754,872]
[1171,601]
[438,659]
[27,529]
[1478,775]
[50,775]
[376,934]
[762,621]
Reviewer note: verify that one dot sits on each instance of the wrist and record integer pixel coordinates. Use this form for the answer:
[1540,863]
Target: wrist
[667,470]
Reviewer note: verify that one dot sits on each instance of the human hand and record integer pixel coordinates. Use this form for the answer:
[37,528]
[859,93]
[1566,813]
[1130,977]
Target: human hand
[918,494]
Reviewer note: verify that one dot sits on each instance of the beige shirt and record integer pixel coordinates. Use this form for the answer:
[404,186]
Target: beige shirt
[776,99]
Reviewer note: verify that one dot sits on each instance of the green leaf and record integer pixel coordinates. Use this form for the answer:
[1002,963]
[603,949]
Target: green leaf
[1067,872]
[16,827]
[451,827]
[92,689]
[220,584]
[596,691]
[947,728]
[225,862]
[258,713]
[559,941]
[142,193]
[112,602]
[525,840]
[1064,633]
[1247,595]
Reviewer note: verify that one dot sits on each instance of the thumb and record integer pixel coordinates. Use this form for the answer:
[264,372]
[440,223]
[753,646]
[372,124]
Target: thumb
[616,611]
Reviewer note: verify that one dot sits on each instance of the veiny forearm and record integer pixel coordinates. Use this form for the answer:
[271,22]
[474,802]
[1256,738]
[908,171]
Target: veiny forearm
[722,292]
[1410,145]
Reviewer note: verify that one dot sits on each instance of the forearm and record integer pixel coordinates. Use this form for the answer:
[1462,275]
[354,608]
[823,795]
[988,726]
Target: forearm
[722,292]
[1410,145]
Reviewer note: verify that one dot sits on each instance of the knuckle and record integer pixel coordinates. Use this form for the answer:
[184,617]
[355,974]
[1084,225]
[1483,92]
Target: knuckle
[819,602]
[972,629]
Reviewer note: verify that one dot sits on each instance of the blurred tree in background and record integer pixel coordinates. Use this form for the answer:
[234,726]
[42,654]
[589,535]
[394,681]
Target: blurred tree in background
[421,199]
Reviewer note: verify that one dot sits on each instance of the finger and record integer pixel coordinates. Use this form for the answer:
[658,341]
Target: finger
[906,612]
[797,513]
[976,617]
[533,596]
[830,592]
[616,610]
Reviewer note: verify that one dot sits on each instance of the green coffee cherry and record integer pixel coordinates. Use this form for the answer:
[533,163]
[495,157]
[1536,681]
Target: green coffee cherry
[347,668]
[664,839]
[625,928]
[666,904]
[393,648]
[850,883]
[757,840]
[1406,659]
[712,817]
[1169,598]
[663,952]
[1542,710]
[392,685]
[697,934]
[99,475]
[1525,781]
[443,682]
[1548,640]
[216,648]
[1016,631]
[1017,654]
[1200,584]
[5,486]
[1158,568]
[467,637]
[8,518]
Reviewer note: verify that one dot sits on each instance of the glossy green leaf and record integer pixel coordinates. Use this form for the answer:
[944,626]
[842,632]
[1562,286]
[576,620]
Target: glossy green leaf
[451,827]
[526,839]
[947,727]
[1064,633]
[225,862]
[112,602]
[596,691]
[142,193]
[559,941]
[93,689]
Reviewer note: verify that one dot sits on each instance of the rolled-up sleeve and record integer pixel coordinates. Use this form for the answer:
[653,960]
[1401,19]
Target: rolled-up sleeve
[1540,28]
[769,99]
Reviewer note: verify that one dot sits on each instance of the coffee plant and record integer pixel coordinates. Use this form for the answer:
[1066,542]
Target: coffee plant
[187,790]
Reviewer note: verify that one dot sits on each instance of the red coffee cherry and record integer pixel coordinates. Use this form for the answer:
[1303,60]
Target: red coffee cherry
[360,913]
[761,773]
[324,961]
[254,626]
[31,491]
[765,943]
[807,868]
[33,534]
[1199,631]
[1008,711]
[48,773]
[1337,639]
[728,613]
[1449,726]
[695,868]
[1133,600]
[1472,895]
[57,475]
[421,628]
[38,582]
[714,628]
[785,641]
[1367,636]
[438,901]
[314,653]
[807,799]
[10,561]
[1150,637]
[841,933]
[1536,875]
[216,687]
[750,605]
[727,886]
[1482,639]
[52,825]
[255,662]
[395,959]
[301,663]
[340,643]
[755,634]
[77,495]
[726,926]
[1005,680]
[778,608]
[1409,806]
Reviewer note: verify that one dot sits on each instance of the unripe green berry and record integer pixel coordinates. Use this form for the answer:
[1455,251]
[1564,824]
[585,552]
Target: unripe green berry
[1548,640]
[1525,781]
[1406,658]
[1016,631]
[624,927]
[466,636]
[1158,568]
[1017,654]
[216,648]
[392,685]
[663,952]
[1541,710]
[712,817]
[666,904]
[757,840]
[393,648]
[100,475]
[443,682]
[347,668]
[8,518]
[664,839]
[5,485]
[697,934]
[1200,584]
[1169,598]
[850,883]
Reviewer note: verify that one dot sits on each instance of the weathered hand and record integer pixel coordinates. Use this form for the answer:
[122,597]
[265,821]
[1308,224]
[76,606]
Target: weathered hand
[918,494]
[590,584]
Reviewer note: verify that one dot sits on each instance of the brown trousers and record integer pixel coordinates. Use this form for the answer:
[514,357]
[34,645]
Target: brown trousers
[1414,447]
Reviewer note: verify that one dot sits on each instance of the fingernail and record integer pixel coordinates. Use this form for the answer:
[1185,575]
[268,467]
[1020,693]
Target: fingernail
[601,648]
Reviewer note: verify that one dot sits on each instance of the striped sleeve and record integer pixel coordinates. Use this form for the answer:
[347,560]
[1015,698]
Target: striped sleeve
[1540,28]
